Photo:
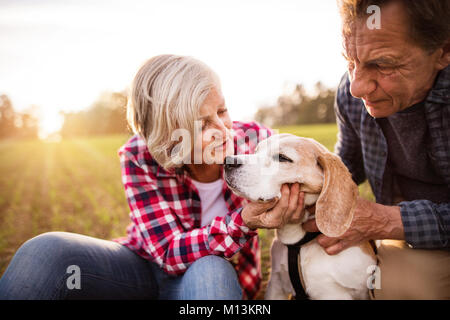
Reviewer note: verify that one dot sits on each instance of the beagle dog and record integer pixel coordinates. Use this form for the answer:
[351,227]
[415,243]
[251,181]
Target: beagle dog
[285,158]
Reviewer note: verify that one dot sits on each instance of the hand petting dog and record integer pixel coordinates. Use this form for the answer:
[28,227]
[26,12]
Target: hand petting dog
[370,221]
[276,212]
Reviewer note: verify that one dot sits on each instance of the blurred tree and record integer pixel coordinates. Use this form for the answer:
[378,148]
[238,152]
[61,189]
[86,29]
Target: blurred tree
[14,124]
[298,107]
[7,117]
[107,115]
[28,126]
[266,115]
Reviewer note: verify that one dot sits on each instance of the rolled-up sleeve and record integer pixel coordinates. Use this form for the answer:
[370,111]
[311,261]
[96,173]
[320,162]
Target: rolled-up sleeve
[426,224]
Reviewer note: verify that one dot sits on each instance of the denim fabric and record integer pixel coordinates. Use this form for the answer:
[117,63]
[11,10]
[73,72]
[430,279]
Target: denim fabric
[108,270]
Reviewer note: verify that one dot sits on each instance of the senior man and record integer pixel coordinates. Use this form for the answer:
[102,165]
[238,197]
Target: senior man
[393,114]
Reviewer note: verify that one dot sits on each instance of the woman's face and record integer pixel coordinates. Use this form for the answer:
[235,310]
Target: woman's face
[215,140]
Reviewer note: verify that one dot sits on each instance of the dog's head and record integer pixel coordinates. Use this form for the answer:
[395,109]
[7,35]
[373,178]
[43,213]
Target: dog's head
[286,158]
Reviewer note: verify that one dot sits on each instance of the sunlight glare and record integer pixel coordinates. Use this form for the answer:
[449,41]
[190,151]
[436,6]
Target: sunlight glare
[49,123]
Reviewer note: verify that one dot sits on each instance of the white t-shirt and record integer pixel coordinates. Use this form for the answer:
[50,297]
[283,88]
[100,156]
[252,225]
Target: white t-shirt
[213,203]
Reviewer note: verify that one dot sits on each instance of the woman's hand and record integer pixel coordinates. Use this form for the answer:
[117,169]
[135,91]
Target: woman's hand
[277,212]
[371,221]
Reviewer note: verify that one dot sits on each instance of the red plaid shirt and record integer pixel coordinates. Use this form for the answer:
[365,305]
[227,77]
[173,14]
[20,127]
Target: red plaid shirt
[166,214]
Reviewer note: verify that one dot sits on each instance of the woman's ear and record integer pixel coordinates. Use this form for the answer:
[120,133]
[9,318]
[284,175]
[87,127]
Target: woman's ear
[335,205]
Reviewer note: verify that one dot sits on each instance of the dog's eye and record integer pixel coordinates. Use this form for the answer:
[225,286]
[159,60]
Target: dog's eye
[281,158]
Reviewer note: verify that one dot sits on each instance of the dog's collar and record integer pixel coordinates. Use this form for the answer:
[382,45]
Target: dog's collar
[309,236]
[293,264]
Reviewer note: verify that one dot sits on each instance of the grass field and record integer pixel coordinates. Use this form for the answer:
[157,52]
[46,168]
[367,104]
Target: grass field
[75,186]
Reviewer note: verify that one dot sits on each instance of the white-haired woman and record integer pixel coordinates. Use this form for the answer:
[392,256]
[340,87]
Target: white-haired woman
[190,237]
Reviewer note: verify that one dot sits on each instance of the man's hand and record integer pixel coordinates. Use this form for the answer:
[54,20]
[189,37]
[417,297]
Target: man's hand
[371,221]
[277,212]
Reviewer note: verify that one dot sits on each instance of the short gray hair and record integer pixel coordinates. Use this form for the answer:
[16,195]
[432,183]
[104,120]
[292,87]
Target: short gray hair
[167,93]
[429,19]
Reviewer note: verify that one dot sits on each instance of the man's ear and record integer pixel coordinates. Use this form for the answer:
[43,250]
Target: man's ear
[336,202]
[443,60]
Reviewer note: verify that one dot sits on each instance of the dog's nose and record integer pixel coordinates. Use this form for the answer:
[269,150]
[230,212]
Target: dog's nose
[232,163]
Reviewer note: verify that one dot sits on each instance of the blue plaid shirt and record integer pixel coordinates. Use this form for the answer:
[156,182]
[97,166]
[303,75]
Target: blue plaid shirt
[363,148]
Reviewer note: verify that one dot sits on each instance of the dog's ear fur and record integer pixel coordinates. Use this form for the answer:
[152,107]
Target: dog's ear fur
[336,202]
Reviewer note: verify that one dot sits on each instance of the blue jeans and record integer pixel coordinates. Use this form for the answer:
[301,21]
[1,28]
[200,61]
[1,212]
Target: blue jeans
[108,270]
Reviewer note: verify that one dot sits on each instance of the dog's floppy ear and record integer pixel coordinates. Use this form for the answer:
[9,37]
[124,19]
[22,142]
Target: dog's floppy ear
[335,205]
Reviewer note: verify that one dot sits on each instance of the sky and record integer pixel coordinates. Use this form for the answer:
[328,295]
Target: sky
[60,55]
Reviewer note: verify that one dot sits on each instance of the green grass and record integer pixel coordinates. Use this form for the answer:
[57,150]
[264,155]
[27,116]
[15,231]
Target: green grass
[326,134]
[75,186]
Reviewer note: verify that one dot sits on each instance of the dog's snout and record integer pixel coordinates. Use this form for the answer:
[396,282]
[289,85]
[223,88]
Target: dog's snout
[232,163]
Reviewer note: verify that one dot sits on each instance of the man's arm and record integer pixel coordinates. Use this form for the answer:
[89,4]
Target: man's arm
[426,224]
[421,223]
[371,221]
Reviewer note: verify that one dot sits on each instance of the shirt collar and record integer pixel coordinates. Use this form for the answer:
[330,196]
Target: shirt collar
[171,173]
[440,93]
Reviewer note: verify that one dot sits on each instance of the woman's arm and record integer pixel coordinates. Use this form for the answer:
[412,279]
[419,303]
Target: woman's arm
[163,236]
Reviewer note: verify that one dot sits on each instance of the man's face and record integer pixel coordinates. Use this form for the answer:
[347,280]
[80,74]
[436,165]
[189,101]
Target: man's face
[387,70]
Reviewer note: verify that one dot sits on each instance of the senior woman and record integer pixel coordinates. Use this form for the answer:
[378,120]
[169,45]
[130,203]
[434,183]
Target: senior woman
[190,237]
